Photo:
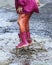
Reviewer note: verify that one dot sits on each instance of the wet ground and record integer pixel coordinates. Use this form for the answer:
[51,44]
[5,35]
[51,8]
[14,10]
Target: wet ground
[40,53]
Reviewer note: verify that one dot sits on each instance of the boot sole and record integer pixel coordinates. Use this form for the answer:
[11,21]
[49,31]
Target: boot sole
[23,46]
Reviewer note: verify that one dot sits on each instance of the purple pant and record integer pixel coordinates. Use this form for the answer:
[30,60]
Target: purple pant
[27,5]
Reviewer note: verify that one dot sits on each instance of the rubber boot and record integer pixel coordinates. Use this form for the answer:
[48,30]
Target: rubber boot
[29,38]
[24,41]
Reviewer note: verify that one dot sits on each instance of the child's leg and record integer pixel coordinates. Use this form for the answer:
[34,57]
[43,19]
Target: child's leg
[24,26]
[27,22]
[21,22]
[27,28]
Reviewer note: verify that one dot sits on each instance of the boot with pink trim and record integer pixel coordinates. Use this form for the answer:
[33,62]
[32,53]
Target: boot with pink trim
[28,37]
[24,42]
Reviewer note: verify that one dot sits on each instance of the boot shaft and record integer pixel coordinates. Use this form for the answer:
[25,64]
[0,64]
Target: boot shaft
[23,37]
[24,41]
[28,35]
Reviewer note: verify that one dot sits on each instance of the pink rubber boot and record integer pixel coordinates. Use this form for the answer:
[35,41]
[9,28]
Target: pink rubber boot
[29,38]
[23,42]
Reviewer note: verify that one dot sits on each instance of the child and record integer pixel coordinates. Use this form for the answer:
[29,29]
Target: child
[25,9]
